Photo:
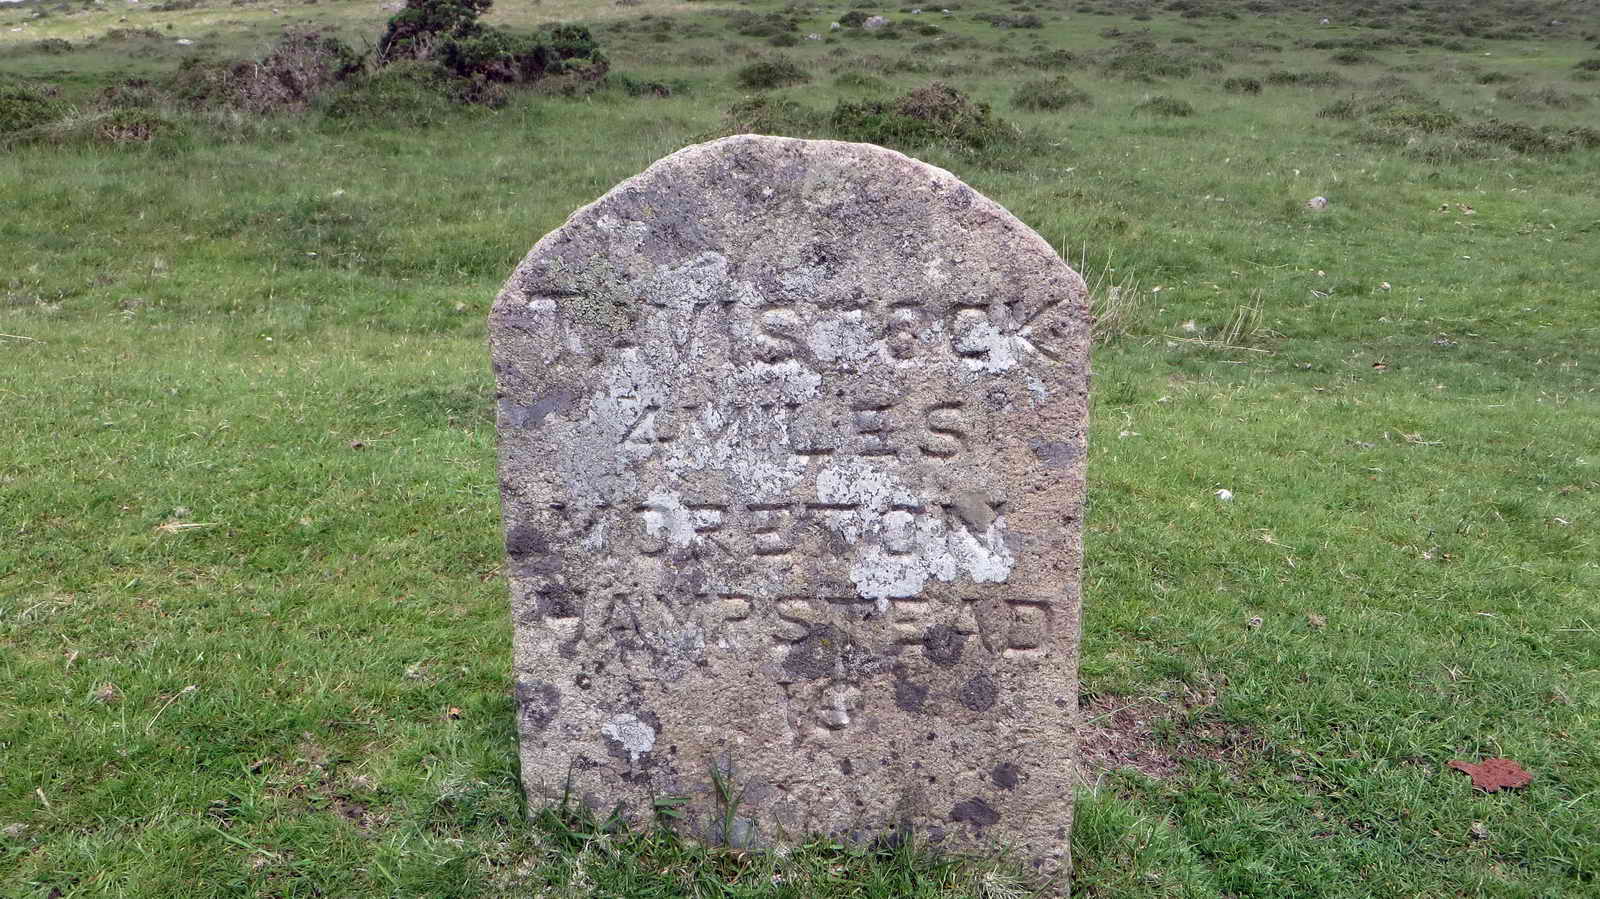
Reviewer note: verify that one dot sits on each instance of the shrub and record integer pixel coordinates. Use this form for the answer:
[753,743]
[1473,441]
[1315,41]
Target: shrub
[1519,136]
[1304,79]
[134,93]
[1417,118]
[779,71]
[936,114]
[1142,64]
[1543,96]
[1051,60]
[1352,58]
[1165,106]
[1242,85]
[496,55]
[998,20]
[1049,94]
[415,30]
[132,126]
[52,46]
[407,92]
[1584,136]
[24,106]
[765,115]
[302,65]
[448,31]
[635,87]
[769,25]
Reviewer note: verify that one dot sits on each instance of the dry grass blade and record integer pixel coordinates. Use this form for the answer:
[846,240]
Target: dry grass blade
[1115,303]
[173,527]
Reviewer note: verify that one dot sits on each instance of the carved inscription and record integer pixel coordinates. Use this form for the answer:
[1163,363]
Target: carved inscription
[770,590]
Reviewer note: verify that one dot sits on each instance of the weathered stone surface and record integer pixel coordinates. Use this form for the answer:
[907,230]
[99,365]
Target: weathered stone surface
[791,452]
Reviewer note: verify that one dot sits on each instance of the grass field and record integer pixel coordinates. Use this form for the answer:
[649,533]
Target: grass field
[253,638]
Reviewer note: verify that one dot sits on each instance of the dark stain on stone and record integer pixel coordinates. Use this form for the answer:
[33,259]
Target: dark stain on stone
[943,645]
[979,692]
[1056,453]
[537,702]
[560,601]
[524,540]
[1004,775]
[650,718]
[909,696]
[976,812]
[813,656]
[817,654]
[519,415]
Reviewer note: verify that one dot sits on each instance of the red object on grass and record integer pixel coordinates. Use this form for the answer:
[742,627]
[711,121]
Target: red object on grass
[1494,774]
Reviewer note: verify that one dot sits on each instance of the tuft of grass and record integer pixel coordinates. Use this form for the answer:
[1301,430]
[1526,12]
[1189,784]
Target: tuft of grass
[859,81]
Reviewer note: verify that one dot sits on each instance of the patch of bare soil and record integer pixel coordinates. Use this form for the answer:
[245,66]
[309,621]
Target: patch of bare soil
[1155,737]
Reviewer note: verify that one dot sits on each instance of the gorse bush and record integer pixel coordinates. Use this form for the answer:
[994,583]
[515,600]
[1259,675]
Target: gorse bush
[448,32]
[23,106]
[1304,79]
[766,25]
[1142,62]
[1026,20]
[406,93]
[1542,96]
[301,66]
[416,30]
[1052,60]
[496,55]
[779,71]
[1162,105]
[935,116]
[1048,95]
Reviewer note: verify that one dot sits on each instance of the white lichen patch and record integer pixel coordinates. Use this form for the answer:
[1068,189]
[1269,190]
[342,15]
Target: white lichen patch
[986,348]
[666,518]
[896,551]
[843,338]
[636,736]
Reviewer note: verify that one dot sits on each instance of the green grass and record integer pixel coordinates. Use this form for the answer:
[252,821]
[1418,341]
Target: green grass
[248,508]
